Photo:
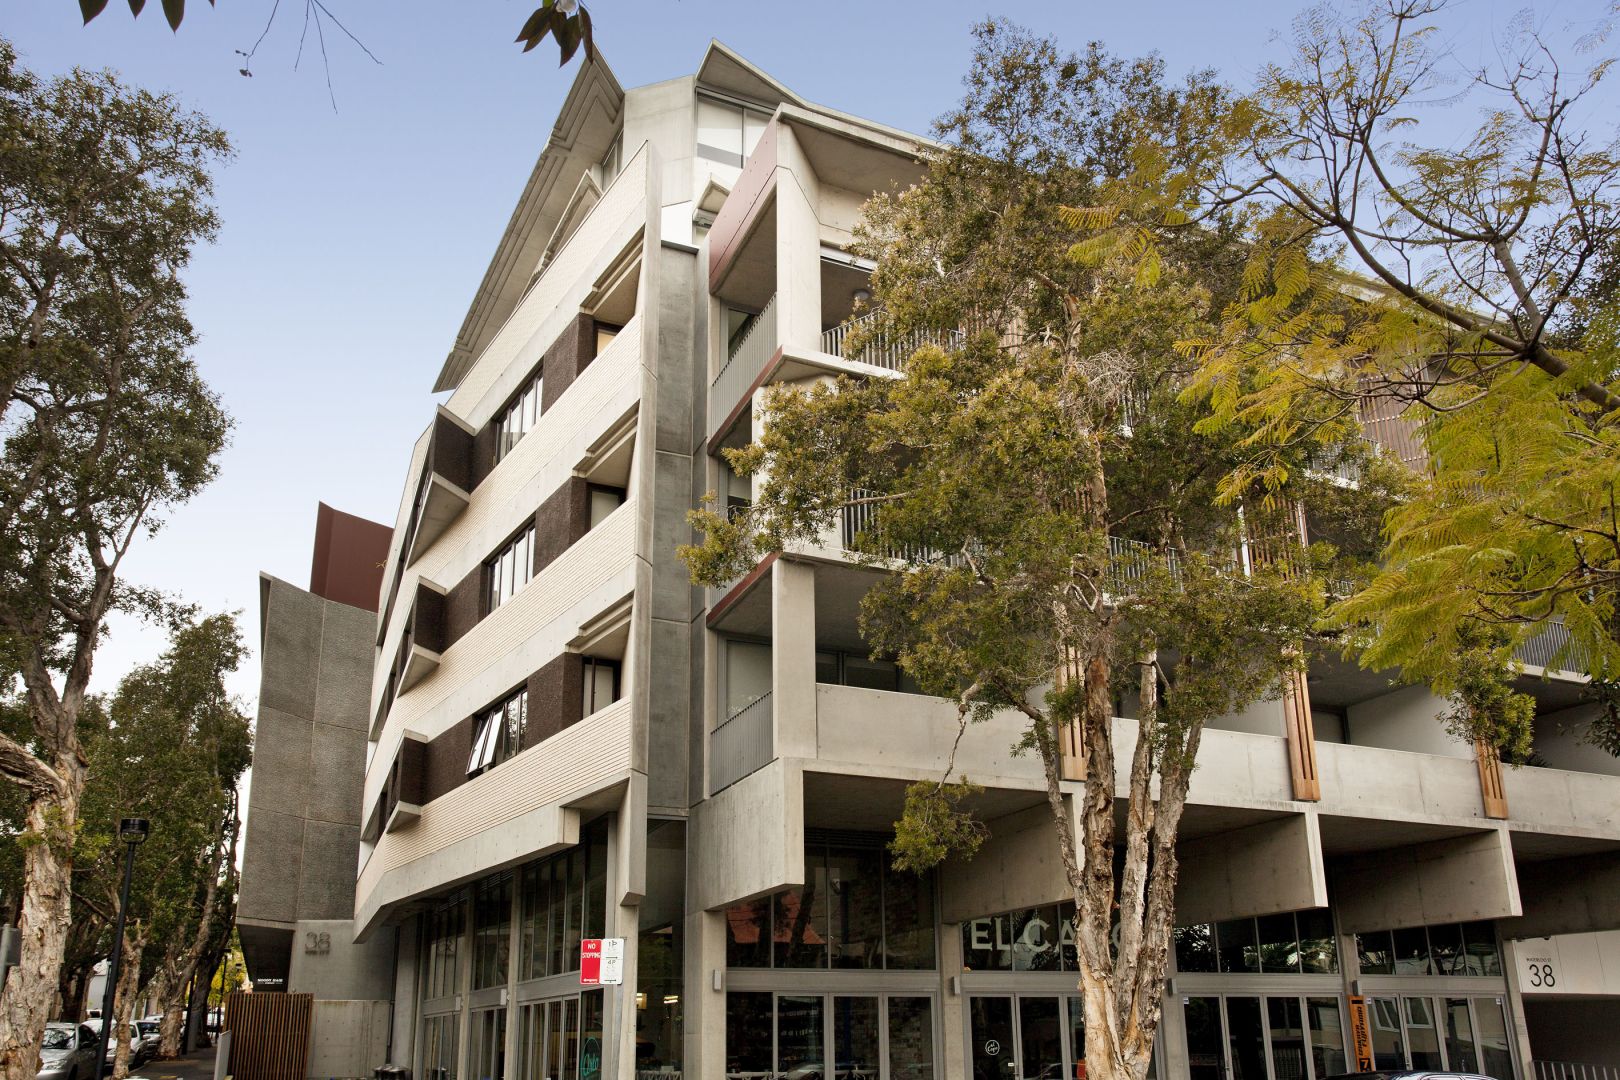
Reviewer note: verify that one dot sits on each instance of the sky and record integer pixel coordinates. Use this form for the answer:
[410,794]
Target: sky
[353,238]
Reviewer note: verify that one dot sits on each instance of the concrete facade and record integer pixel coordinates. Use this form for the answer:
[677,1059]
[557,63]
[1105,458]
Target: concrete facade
[720,797]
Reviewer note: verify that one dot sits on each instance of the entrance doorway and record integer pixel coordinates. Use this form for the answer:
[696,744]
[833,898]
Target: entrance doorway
[1440,1033]
[1264,1037]
[829,1036]
[1026,1036]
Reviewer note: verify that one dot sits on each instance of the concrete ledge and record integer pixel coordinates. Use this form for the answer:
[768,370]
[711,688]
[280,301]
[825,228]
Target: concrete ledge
[1458,879]
[748,840]
[1263,869]
[1568,896]
[1018,867]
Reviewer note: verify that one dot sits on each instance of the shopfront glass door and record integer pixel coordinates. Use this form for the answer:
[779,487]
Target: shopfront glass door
[1206,1039]
[990,1026]
[548,1040]
[857,1044]
[1454,1034]
[1276,1037]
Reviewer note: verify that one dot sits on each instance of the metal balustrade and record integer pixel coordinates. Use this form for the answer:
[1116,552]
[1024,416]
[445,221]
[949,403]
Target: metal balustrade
[1543,651]
[741,744]
[881,350]
[1574,1070]
[744,363]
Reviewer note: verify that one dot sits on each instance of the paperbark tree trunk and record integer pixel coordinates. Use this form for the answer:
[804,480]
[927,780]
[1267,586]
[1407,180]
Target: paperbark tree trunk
[129,981]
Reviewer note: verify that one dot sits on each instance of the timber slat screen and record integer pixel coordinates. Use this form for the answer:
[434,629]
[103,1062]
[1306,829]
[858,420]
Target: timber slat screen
[269,1034]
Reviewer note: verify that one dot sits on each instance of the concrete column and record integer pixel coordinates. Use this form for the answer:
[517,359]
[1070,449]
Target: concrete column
[793,658]
[627,844]
[1515,1004]
[402,1041]
[953,1007]
[1458,879]
[705,1007]
[798,246]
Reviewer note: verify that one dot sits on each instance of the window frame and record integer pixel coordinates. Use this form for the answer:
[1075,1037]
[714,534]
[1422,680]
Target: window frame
[492,744]
[533,383]
[587,683]
[492,599]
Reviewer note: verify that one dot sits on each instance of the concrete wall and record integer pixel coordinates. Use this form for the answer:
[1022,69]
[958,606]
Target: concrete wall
[329,963]
[347,1038]
[1403,719]
[1457,879]
[1560,740]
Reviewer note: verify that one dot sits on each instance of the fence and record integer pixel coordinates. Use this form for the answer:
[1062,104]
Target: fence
[269,1034]
[1571,1070]
[741,744]
[743,364]
[881,350]
[1543,651]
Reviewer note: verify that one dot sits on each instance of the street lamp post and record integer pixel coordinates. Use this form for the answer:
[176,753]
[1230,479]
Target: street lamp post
[131,830]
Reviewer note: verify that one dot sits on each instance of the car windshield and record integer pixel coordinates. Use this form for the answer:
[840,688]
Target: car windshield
[147,1027]
[58,1038]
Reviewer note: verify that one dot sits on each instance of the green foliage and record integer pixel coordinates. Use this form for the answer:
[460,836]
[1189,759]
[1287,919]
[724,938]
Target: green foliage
[1485,707]
[933,826]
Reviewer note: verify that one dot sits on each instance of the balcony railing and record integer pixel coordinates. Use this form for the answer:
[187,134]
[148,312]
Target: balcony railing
[1543,651]
[743,364]
[1573,1070]
[741,744]
[882,350]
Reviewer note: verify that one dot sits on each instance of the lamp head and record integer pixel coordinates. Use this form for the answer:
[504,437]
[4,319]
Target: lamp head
[133,830]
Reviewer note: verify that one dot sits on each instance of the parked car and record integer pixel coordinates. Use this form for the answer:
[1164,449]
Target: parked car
[140,1051]
[68,1053]
[151,1028]
[1408,1074]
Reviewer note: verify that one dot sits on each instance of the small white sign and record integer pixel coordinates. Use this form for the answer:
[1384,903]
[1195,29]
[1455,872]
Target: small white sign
[1538,966]
[601,961]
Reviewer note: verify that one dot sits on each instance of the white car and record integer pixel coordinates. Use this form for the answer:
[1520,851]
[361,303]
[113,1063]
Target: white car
[68,1053]
[140,1051]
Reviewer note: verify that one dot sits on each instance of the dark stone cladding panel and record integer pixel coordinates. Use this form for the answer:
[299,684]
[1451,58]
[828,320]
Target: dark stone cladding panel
[569,355]
[562,519]
[464,605]
[556,698]
[411,775]
[452,452]
[483,455]
[445,763]
[430,619]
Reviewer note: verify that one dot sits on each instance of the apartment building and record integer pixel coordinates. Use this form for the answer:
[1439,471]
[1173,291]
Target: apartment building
[568,741]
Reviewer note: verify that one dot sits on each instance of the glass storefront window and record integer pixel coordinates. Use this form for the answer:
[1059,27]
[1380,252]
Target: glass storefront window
[439,1044]
[855,908]
[1460,1051]
[1422,1037]
[1287,1022]
[1446,953]
[590,1036]
[1411,951]
[562,899]
[488,1058]
[748,1034]
[1195,948]
[800,1035]
[911,1038]
[748,934]
[1389,1051]
[1479,942]
[659,1028]
[855,1037]
[908,920]
[1318,948]
[1279,943]
[1496,1059]
[443,947]
[1237,943]
[492,931]
[1327,1037]
[1040,1038]
[990,1023]
[799,921]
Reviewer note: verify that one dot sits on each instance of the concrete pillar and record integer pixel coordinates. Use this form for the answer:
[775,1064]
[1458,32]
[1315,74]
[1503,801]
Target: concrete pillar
[1458,879]
[798,246]
[1262,869]
[705,1007]
[1515,1003]
[953,1004]
[793,658]
[402,1039]
[626,885]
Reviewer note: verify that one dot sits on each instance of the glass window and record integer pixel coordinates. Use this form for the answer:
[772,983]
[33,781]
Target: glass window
[827,668]
[488,1045]
[1375,953]
[518,418]
[911,1038]
[612,161]
[604,336]
[510,568]
[1461,1053]
[1496,1059]
[1389,1052]
[444,928]
[855,1037]
[1318,949]
[1279,943]
[1446,949]
[1327,1037]
[908,919]
[601,684]
[748,1034]
[1422,1036]
[870,674]
[748,675]
[595,846]
[492,931]
[1035,936]
[1040,1035]
[748,934]
[855,903]
[991,1035]
[800,1028]
[1479,939]
[439,1044]
[1206,1057]
[986,943]
[536,922]
[1195,948]
[1077,1035]
[1411,951]
[1237,944]
[800,921]
[1245,1038]
[499,732]
[590,1035]
[604,500]
[1287,1022]
[560,896]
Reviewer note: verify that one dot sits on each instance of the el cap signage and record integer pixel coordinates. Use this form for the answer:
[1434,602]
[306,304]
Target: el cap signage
[601,961]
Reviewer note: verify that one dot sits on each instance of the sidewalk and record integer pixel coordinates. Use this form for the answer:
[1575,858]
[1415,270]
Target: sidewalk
[197,1065]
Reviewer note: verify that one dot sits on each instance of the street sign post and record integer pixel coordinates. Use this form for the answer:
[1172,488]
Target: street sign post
[601,961]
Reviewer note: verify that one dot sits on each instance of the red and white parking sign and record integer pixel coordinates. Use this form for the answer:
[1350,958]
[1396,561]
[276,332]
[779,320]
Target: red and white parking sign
[601,961]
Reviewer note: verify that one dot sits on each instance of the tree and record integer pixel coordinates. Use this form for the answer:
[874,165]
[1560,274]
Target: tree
[1048,517]
[104,190]
[174,752]
[1479,330]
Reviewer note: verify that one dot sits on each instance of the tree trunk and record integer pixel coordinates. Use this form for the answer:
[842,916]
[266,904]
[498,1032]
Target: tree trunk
[129,981]
[30,998]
